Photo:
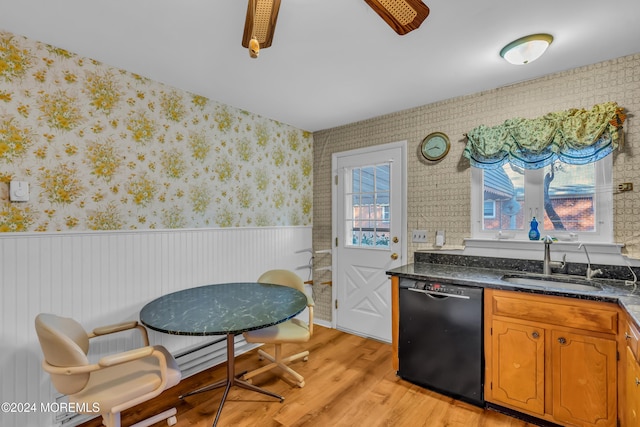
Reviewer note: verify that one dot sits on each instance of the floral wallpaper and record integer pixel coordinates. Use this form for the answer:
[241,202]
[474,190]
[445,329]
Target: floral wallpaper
[105,149]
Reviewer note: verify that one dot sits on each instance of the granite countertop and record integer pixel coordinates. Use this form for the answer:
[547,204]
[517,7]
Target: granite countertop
[490,275]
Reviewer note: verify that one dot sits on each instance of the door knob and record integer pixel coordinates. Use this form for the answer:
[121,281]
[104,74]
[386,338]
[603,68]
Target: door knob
[394,256]
[395,239]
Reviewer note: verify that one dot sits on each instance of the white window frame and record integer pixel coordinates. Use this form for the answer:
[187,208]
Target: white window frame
[534,205]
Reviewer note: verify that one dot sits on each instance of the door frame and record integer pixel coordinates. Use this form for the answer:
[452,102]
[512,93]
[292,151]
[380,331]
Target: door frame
[403,256]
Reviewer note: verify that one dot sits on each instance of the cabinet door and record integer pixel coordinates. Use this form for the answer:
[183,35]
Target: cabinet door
[517,357]
[584,379]
[632,391]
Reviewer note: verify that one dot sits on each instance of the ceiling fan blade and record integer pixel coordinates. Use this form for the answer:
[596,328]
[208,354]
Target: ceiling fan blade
[261,22]
[401,15]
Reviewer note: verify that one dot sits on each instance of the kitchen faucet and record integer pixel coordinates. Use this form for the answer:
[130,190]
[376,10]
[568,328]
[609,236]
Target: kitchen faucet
[547,263]
[590,273]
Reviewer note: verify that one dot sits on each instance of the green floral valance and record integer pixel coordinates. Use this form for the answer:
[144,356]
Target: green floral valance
[573,136]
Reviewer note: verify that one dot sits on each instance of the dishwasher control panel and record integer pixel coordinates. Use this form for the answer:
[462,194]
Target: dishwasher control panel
[435,287]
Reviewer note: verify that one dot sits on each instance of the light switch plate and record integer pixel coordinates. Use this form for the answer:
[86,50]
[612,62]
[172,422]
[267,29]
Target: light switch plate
[18,191]
[419,236]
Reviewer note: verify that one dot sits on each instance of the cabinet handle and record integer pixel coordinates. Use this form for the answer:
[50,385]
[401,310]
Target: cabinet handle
[562,340]
[637,382]
[627,336]
[535,335]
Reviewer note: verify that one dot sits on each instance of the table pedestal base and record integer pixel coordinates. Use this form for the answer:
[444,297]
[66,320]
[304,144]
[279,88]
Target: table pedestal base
[231,380]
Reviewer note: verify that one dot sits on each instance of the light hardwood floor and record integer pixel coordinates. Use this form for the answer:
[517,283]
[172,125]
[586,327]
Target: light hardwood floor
[349,382]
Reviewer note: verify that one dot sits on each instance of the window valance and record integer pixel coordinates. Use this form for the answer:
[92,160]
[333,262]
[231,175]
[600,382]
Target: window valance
[574,136]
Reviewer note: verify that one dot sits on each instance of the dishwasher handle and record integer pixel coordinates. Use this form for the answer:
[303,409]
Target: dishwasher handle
[439,294]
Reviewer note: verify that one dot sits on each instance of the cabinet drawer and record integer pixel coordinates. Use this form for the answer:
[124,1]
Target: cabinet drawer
[632,336]
[561,311]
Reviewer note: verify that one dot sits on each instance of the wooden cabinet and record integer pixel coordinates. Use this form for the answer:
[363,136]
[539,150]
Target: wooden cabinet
[631,400]
[518,356]
[584,379]
[552,357]
[630,392]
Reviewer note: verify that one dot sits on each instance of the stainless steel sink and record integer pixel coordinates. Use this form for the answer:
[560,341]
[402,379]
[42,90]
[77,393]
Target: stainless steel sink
[558,282]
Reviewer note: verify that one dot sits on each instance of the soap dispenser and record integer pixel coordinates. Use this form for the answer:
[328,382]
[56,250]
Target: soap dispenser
[534,234]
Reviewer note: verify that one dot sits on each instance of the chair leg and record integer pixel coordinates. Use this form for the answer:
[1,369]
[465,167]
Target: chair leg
[111,420]
[258,371]
[265,355]
[304,355]
[299,378]
[169,415]
[279,361]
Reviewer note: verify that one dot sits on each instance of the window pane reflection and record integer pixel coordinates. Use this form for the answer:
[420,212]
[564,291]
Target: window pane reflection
[570,198]
[503,198]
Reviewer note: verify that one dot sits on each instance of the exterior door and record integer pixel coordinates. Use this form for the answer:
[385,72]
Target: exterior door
[369,229]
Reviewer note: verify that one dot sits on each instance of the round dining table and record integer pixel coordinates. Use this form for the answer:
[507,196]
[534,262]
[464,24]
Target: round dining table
[224,309]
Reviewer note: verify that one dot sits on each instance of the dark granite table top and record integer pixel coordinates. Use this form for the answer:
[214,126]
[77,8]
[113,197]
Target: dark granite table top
[220,309]
[613,291]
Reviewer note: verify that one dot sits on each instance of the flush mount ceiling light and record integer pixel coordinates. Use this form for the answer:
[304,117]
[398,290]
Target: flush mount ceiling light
[260,24]
[526,49]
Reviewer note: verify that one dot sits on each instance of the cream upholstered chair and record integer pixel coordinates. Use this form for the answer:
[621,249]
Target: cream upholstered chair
[116,382]
[291,331]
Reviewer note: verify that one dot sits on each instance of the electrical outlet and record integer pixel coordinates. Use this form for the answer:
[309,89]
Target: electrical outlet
[625,186]
[419,236]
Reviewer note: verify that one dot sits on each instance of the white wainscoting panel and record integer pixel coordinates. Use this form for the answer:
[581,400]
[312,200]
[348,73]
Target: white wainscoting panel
[106,277]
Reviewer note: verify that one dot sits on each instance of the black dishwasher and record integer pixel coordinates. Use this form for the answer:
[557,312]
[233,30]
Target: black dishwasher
[440,338]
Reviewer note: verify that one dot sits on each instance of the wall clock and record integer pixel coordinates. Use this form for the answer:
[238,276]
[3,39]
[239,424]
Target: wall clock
[435,146]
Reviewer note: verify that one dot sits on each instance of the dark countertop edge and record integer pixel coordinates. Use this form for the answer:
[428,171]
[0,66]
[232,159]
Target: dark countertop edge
[614,291]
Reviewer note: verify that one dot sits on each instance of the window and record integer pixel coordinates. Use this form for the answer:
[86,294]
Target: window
[367,206]
[489,209]
[570,202]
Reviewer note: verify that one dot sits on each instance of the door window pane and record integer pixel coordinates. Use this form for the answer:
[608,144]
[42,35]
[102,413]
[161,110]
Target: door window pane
[367,207]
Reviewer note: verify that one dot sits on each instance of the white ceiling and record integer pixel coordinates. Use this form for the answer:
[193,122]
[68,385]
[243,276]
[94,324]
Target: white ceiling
[332,62]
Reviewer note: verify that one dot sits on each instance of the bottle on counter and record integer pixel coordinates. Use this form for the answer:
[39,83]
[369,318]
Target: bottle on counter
[534,233]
